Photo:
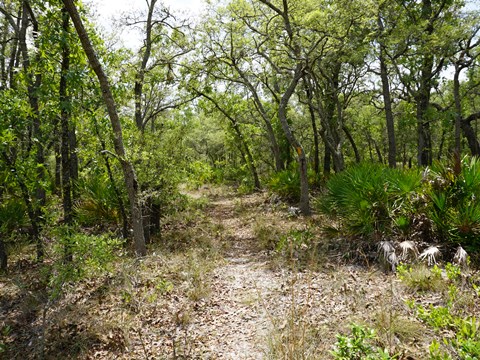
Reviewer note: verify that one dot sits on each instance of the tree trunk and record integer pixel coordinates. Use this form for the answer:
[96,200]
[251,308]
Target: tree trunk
[28,202]
[463,124]
[301,158]
[155,218]
[424,141]
[458,109]
[140,76]
[65,101]
[279,165]
[64,122]
[377,150]
[442,143]
[327,161]
[352,142]
[128,170]
[422,96]
[316,142]
[14,54]
[34,82]
[123,212]
[3,56]
[471,136]
[72,138]
[387,101]
[58,162]
[331,118]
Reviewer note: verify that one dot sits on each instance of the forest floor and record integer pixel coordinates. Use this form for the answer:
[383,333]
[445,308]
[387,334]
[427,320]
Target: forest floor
[232,277]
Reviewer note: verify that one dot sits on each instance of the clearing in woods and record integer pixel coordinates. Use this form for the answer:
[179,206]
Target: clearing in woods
[232,277]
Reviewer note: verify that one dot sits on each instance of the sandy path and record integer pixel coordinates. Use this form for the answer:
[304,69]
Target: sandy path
[234,322]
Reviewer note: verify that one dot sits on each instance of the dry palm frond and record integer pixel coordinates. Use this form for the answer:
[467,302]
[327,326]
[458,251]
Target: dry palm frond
[409,248]
[387,254]
[385,248]
[461,257]
[430,254]
[392,259]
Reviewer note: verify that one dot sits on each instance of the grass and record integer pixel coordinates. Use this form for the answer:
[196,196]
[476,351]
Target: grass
[267,234]
[421,278]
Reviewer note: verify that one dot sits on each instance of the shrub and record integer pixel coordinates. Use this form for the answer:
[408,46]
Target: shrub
[12,215]
[421,278]
[99,202]
[371,198]
[454,210]
[286,184]
[199,173]
[359,346]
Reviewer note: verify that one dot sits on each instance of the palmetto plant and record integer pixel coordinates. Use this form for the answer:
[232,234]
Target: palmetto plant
[454,207]
[372,198]
[99,202]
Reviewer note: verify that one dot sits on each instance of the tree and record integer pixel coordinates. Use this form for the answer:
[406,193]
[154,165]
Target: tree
[229,55]
[467,53]
[424,32]
[243,145]
[128,169]
[382,37]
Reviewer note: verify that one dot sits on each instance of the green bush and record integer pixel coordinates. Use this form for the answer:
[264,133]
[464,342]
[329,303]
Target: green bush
[99,202]
[286,184]
[199,173]
[453,192]
[358,346]
[371,198]
[13,215]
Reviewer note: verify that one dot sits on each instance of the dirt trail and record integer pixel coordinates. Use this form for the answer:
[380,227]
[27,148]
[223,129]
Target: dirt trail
[258,311]
[234,322]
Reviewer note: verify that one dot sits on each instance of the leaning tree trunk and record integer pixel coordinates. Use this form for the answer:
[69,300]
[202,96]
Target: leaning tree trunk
[471,136]
[127,167]
[243,145]
[279,165]
[463,124]
[352,142]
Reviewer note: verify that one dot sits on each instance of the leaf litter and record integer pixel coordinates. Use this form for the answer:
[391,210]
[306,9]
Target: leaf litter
[213,290]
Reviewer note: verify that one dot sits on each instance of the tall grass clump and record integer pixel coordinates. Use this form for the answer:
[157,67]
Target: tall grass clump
[370,198]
